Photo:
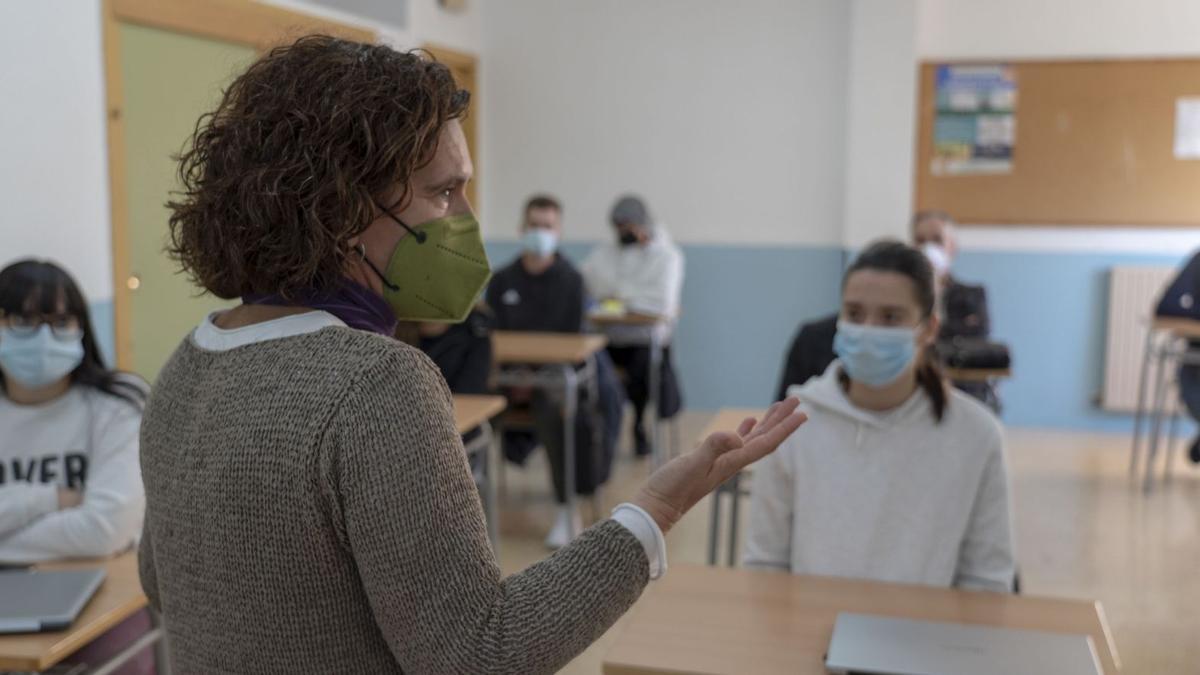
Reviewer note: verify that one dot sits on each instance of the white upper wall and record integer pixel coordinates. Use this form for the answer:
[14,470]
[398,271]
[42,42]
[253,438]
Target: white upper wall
[1032,29]
[1058,28]
[53,150]
[54,153]
[882,117]
[427,21]
[458,30]
[401,37]
[728,118]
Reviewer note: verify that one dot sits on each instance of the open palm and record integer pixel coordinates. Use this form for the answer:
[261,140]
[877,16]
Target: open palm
[677,486]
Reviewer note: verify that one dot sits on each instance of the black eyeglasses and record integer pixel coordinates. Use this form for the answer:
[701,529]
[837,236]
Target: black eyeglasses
[63,326]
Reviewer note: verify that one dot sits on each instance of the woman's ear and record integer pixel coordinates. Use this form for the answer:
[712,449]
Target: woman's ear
[933,327]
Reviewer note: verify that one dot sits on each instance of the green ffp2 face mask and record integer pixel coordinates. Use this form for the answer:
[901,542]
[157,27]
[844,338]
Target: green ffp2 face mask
[437,272]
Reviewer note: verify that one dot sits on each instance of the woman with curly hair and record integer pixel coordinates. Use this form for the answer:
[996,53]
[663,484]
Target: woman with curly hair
[309,504]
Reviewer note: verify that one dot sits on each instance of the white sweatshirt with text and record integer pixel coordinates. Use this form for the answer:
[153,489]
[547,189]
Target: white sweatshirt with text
[85,440]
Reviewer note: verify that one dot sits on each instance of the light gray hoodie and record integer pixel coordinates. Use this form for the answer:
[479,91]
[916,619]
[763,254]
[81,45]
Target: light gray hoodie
[888,496]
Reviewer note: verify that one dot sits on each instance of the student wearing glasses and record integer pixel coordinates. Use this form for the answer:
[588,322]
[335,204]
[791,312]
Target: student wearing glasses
[70,486]
[69,480]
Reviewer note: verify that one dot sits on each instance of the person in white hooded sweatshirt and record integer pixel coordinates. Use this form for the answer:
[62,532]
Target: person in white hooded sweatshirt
[896,477]
[643,272]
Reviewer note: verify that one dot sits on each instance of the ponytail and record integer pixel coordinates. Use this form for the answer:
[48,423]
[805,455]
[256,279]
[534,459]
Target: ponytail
[930,379]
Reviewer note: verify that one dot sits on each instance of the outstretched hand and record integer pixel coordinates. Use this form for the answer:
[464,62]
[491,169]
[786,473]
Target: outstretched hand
[677,486]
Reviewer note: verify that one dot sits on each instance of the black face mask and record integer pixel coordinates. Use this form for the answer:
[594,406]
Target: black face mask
[627,238]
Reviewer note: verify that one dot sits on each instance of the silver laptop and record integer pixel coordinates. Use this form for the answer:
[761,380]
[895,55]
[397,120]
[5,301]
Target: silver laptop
[32,601]
[887,646]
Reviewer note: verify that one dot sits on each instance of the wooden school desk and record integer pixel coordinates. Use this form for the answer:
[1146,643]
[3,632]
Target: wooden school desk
[119,597]
[611,325]
[561,361]
[1168,339]
[716,620]
[473,412]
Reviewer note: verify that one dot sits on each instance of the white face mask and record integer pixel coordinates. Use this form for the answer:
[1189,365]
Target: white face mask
[540,242]
[39,358]
[873,355]
[939,259]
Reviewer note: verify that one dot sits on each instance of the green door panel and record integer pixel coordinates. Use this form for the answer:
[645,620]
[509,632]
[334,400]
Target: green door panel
[169,80]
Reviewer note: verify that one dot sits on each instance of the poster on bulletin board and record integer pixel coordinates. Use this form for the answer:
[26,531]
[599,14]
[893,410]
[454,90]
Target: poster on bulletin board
[975,125]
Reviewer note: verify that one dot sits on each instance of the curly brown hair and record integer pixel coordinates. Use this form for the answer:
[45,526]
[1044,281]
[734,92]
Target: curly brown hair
[290,165]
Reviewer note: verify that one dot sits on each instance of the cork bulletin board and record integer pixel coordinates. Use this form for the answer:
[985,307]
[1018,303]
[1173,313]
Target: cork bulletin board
[1097,142]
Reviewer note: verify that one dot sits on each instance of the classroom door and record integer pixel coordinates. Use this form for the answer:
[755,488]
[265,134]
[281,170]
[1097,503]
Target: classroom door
[169,80]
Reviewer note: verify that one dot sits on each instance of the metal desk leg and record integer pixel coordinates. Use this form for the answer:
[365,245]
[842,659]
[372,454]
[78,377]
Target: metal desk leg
[490,459]
[735,493]
[1147,355]
[162,656]
[654,382]
[570,410]
[156,636]
[1160,395]
[1169,452]
[714,525]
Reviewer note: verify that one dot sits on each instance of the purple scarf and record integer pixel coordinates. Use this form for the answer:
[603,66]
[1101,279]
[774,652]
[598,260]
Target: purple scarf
[356,305]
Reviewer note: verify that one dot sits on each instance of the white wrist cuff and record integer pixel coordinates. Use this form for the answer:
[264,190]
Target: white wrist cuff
[642,526]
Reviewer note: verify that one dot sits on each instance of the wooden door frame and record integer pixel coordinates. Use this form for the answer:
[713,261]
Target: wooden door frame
[244,22]
[465,61]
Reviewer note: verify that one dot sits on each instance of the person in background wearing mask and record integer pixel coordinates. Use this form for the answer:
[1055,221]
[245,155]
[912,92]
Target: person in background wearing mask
[962,309]
[309,507]
[542,291]
[69,480]
[896,477]
[643,273]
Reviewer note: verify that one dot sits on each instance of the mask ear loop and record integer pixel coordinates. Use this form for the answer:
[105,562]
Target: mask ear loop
[362,251]
[419,235]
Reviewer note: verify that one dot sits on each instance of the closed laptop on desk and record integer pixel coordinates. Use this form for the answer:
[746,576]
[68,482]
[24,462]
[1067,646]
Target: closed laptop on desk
[34,601]
[889,646]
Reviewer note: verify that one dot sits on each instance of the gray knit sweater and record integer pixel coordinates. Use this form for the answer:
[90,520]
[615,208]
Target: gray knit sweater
[310,509]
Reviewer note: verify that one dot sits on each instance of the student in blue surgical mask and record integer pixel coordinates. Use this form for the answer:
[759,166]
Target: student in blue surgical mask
[897,476]
[69,480]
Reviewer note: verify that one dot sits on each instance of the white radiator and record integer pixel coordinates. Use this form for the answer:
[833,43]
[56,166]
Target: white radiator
[1133,293]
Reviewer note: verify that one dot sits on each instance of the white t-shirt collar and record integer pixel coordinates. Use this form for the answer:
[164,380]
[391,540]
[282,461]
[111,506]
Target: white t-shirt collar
[210,337]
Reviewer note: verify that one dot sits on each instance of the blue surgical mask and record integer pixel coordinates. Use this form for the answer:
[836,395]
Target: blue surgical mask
[39,359]
[540,242]
[938,258]
[873,355]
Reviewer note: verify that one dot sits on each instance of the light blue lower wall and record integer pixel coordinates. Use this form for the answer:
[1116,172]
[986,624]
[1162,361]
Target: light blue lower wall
[102,322]
[1052,309]
[741,306]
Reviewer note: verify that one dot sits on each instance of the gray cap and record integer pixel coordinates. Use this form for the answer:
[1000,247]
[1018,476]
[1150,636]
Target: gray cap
[630,210]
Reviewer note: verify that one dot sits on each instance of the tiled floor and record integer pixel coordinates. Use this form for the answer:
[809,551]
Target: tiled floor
[1083,531]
